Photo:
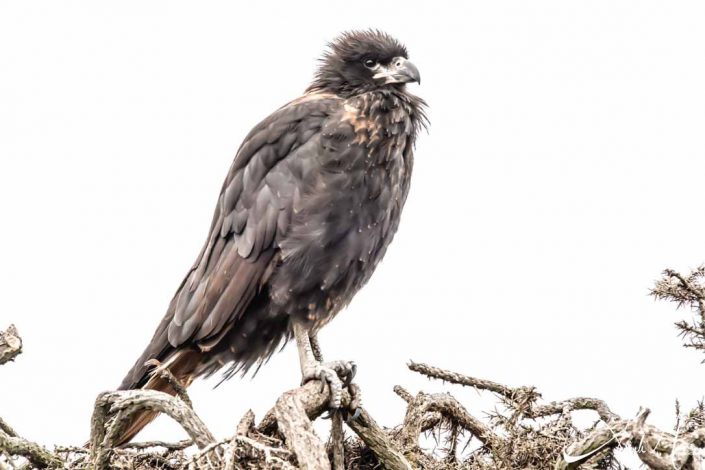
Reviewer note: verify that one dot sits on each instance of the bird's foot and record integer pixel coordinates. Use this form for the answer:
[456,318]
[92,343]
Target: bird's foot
[337,374]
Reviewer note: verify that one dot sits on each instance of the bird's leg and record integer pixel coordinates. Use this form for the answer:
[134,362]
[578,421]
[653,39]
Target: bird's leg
[315,346]
[337,374]
[348,367]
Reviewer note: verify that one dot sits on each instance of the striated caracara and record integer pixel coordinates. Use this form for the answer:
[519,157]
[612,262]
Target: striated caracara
[307,210]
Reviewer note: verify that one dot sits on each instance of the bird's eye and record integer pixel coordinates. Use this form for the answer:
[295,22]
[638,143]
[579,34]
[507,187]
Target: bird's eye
[370,63]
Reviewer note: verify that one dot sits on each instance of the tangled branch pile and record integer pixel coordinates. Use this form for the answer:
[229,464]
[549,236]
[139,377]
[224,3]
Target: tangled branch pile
[523,433]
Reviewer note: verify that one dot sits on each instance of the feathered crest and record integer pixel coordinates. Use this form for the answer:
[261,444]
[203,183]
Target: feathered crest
[354,45]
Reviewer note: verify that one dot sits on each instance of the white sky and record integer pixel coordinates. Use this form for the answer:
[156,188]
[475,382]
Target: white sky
[562,172]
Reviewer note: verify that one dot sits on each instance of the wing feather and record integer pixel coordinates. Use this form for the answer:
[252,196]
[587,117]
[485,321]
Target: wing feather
[260,191]
[254,209]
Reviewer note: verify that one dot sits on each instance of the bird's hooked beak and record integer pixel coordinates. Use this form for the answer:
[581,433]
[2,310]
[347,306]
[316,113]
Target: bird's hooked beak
[399,70]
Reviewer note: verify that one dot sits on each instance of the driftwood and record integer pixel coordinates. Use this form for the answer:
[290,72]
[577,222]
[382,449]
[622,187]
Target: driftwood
[522,433]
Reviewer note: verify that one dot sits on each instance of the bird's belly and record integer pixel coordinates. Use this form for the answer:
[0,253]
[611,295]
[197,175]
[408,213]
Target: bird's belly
[321,268]
[334,245]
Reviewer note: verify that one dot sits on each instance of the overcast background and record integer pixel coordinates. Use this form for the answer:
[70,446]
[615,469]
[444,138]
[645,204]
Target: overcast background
[562,173]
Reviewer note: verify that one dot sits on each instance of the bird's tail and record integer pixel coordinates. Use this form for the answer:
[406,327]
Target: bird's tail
[182,364]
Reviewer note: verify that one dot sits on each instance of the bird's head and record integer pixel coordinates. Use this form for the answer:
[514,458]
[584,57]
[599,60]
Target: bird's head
[361,61]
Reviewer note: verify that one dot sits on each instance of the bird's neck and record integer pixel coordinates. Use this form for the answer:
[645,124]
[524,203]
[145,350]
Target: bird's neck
[391,107]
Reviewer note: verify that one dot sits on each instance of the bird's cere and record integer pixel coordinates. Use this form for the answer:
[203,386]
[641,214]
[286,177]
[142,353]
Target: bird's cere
[400,70]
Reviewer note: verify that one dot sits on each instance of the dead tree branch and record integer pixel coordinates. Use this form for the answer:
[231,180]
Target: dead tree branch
[540,436]
[11,444]
[314,401]
[460,379]
[37,455]
[298,432]
[180,445]
[113,410]
[686,291]
[657,449]
[10,344]
[337,447]
[378,442]
[572,404]
[522,433]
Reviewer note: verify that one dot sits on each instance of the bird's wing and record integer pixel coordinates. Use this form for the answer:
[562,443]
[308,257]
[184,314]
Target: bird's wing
[253,212]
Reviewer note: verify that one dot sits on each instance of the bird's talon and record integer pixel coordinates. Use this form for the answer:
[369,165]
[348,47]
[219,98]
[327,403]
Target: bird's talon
[355,397]
[355,415]
[349,377]
[322,378]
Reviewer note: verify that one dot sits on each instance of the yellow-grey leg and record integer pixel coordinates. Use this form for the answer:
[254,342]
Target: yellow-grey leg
[328,372]
[315,346]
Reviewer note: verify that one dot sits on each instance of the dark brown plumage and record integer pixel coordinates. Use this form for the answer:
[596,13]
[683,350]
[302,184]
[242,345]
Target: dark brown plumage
[307,210]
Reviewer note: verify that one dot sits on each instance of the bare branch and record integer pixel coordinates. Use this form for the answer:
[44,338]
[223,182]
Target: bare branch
[378,442]
[686,291]
[657,449]
[7,429]
[113,409]
[403,393]
[166,445]
[460,379]
[296,427]
[315,401]
[580,403]
[10,344]
[519,398]
[36,454]
[268,453]
[336,442]
[131,401]
[246,424]
[523,433]
[165,374]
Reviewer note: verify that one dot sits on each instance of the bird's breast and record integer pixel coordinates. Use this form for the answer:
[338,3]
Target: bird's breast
[337,238]
[348,210]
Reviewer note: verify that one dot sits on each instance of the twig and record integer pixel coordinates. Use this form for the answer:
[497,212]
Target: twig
[267,452]
[521,397]
[580,403]
[180,445]
[686,290]
[403,393]
[451,454]
[447,406]
[460,379]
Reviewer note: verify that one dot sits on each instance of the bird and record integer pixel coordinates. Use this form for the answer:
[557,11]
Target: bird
[307,210]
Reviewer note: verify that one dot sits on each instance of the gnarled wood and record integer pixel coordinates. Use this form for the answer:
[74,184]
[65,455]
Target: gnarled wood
[10,344]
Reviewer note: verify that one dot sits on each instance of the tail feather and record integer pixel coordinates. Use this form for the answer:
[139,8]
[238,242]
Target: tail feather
[182,364]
